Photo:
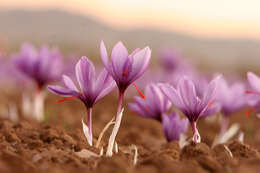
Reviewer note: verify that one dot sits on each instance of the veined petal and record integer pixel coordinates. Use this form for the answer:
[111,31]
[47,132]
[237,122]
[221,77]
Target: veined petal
[85,73]
[109,86]
[254,81]
[188,94]
[119,56]
[210,92]
[173,126]
[102,79]
[141,61]
[147,112]
[64,92]
[173,95]
[211,110]
[69,83]
[135,108]
[104,56]
[158,98]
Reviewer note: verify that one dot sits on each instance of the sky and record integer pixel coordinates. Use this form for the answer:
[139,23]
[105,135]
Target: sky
[206,18]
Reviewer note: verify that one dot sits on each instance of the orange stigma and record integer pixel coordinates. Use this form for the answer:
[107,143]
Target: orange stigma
[140,93]
[249,111]
[67,99]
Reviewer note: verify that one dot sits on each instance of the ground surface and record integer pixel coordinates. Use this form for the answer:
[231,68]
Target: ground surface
[51,146]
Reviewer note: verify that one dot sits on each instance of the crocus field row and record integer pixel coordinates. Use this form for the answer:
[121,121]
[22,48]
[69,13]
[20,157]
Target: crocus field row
[178,84]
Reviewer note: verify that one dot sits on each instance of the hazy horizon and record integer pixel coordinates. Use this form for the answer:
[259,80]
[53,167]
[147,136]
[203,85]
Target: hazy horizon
[214,19]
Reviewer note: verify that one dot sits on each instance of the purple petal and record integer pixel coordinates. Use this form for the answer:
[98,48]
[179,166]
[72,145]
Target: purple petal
[85,73]
[173,126]
[210,92]
[64,92]
[104,84]
[119,56]
[137,109]
[141,61]
[104,56]
[173,95]
[254,81]
[69,83]
[188,94]
[212,110]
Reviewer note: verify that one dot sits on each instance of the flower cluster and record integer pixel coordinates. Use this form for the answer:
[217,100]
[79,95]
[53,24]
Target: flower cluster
[178,95]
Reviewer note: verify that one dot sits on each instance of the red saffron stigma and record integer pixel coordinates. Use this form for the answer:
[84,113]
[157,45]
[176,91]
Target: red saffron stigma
[125,72]
[140,93]
[249,112]
[251,92]
[211,103]
[67,99]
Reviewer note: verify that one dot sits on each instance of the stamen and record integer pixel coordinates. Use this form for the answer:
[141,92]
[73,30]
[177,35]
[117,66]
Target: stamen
[140,93]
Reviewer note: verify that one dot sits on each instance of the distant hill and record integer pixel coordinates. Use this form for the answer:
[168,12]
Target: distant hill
[82,32]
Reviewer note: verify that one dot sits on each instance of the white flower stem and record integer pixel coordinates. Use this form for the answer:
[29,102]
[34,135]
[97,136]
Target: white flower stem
[116,126]
[196,135]
[224,125]
[26,105]
[89,110]
[39,105]
[103,132]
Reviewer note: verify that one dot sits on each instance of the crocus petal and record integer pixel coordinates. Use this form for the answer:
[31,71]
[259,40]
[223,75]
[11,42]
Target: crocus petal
[210,92]
[109,86]
[211,110]
[188,93]
[135,108]
[140,63]
[254,81]
[173,126]
[85,73]
[173,95]
[155,95]
[69,83]
[64,92]
[119,56]
[102,80]
[104,56]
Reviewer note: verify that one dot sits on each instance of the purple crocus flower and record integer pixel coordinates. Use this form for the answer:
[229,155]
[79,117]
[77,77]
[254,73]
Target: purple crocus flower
[201,83]
[92,89]
[174,126]
[186,99]
[42,66]
[253,95]
[169,59]
[155,104]
[231,99]
[125,69]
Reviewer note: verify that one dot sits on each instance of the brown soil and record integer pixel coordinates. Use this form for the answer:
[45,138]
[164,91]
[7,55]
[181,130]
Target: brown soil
[52,146]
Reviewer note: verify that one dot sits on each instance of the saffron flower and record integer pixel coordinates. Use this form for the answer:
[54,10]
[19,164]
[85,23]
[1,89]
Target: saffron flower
[170,59]
[231,97]
[185,98]
[42,66]
[253,95]
[155,104]
[201,83]
[124,69]
[92,89]
[174,126]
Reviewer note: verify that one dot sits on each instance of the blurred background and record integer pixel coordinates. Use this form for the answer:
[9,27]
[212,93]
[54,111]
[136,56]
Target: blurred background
[217,35]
